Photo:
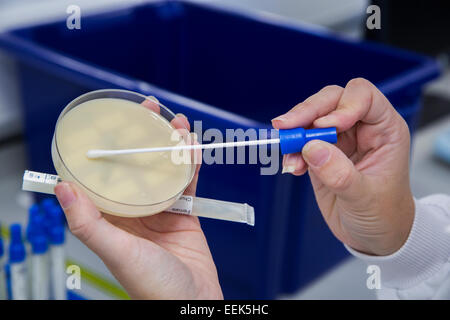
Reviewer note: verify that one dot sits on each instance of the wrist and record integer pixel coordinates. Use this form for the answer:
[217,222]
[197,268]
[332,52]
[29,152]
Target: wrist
[401,227]
[426,250]
[391,230]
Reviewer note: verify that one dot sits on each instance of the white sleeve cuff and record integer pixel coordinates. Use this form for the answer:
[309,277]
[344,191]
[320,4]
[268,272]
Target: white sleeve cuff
[425,251]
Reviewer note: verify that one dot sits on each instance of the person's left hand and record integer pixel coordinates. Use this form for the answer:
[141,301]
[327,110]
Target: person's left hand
[163,256]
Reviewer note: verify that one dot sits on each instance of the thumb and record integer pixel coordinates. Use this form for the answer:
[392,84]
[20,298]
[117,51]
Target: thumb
[110,243]
[333,169]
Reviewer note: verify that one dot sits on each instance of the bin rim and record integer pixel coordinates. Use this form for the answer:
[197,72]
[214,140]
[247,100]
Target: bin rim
[58,63]
[424,70]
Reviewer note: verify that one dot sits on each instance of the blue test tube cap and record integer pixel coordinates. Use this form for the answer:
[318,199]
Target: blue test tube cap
[56,216]
[16,247]
[16,233]
[48,203]
[8,280]
[57,235]
[2,248]
[34,211]
[35,221]
[39,242]
[293,140]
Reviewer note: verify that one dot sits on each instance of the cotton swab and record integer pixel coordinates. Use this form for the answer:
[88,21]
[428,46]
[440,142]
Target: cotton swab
[97,153]
[290,140]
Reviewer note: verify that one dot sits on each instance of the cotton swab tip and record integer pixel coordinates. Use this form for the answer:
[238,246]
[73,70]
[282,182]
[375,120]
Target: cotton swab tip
[94,154]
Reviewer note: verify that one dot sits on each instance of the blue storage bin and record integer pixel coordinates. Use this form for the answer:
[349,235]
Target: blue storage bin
[230,70]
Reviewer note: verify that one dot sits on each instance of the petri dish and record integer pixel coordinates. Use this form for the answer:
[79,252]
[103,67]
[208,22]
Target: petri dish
[126,185]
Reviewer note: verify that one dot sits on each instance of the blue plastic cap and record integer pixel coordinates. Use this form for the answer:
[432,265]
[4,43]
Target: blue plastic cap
[56,216]
[34,214]
[2,249]
[16,233]
[36,221]
[48,203]
[34,211]
[8,280]
[57,235]
[39,243]
[293,140]
[16,247]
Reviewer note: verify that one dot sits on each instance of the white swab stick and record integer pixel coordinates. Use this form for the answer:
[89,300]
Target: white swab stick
[97,153]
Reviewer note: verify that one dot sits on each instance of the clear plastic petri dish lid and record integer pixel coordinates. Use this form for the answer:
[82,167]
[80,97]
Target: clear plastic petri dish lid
[109,204]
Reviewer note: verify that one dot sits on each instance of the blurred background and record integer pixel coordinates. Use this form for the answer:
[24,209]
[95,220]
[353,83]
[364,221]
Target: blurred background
[190,54]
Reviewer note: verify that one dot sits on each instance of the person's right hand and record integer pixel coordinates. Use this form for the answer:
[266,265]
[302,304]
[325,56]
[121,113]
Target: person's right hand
[362,183]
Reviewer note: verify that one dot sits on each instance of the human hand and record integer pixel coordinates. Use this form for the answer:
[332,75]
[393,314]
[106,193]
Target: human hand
[163,256]
[361,184]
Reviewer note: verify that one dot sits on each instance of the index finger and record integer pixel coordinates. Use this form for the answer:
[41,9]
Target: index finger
[316,106]
[360,101]
[152,103]
[179,121]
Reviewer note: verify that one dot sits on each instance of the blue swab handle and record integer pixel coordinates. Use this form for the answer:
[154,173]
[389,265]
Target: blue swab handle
[293,140]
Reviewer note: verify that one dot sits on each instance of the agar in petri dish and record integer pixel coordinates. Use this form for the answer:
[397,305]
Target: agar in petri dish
[126,185]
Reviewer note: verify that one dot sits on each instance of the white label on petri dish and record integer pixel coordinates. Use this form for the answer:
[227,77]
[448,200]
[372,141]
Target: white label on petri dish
[182,206]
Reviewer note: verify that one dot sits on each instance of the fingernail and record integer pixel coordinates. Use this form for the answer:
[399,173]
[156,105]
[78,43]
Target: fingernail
[288,169]
[280,118]
[316,153]
[289,164]
[153,99]
[181,115]
[65,194]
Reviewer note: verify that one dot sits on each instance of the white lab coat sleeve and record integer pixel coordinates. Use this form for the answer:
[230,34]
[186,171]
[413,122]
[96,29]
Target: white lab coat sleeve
[420,269]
